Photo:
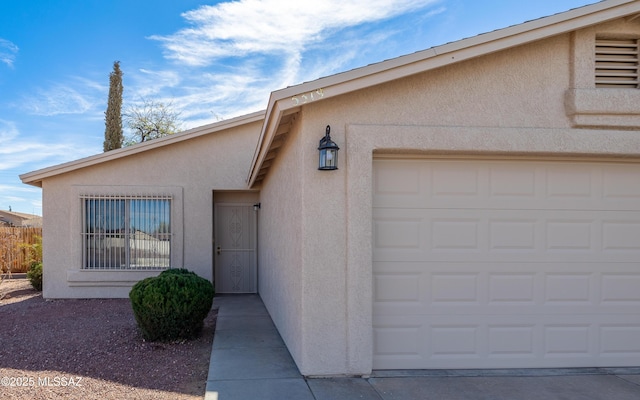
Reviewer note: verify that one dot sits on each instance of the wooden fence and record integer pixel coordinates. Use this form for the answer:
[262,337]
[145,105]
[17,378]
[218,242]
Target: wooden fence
[14,255]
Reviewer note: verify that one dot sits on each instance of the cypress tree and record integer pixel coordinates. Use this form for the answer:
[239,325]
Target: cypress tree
[113,135]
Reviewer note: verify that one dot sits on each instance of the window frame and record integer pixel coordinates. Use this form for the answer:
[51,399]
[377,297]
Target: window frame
[140,223]
[78,276]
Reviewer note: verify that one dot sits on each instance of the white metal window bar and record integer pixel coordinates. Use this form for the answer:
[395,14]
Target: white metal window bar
[126,232]
[617,63]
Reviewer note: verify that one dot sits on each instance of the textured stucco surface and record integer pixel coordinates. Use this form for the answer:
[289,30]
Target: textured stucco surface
[506,104]
[536,101]
[519,87]
[593,107]
[280,239]
[193,169]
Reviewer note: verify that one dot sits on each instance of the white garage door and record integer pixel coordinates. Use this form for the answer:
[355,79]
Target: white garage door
[498,264]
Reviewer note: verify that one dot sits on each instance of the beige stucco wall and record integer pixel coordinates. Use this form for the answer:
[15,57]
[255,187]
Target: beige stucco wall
[280,239]
[315,226]
[511,103]
[593,107]
[190,170]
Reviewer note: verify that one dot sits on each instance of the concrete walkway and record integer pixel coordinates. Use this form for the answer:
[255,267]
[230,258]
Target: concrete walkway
[250,361]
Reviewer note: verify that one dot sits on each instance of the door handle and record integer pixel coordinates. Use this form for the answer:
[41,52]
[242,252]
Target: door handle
[218,250]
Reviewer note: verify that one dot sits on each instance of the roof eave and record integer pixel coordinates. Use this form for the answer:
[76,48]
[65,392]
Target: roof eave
[293,97]
[35,178]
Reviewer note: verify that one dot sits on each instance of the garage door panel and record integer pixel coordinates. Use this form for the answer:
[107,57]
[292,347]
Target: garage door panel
[399,337]
[398,287]
[558,268]
[621,186]
[403,234]
[506,185]
[413,308]
[506,287]
[495,264]
[522,341]
[552,255]
[621,235]
[621,288]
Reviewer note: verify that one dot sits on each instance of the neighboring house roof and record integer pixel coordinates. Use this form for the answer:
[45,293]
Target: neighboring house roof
[285,103]
[19,219]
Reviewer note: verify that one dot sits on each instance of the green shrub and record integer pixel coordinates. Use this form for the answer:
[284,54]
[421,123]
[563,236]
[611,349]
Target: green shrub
[32,251]
[172,305]
[35,275]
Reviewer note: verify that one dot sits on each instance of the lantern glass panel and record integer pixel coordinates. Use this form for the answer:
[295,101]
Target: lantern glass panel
[332,158]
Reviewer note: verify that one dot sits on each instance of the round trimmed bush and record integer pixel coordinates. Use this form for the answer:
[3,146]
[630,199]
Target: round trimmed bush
[172,305]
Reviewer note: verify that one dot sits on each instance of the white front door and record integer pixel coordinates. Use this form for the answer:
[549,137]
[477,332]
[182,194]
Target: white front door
[506,264]
[235,248]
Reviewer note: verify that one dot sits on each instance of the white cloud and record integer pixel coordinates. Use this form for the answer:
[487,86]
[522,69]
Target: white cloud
[58,99]
[91,84]
[21,198]
[245,27]
[151,83]
[205,96]
[33,153]
[8,52]
[21,153]
[8,132]
[18,189]
[233,54]
[16,152]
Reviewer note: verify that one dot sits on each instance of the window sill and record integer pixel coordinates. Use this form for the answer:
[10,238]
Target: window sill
[604,108]
[110,278]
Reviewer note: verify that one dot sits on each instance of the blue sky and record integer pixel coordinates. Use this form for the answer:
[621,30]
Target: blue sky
[211,60]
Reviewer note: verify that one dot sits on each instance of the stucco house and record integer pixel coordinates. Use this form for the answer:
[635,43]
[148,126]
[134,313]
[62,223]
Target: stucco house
[485,212]
[12,218]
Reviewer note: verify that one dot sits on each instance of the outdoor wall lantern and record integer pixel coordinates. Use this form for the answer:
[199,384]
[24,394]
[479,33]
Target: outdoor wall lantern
[328,152]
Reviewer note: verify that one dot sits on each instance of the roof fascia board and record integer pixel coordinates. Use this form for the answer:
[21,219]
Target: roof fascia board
[435,57]
[460,50]
[35,178]
[261,139]
[269,129]
[18,214]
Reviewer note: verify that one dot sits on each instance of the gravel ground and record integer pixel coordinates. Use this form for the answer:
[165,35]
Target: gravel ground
[91,349]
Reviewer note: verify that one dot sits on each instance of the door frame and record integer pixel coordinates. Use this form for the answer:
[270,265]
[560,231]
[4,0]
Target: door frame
[234,198]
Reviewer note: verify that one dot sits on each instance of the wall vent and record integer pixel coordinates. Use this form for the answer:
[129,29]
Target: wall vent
[617,63]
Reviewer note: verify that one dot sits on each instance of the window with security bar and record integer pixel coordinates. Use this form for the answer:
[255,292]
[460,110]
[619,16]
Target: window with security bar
[126,232]
[617,63]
